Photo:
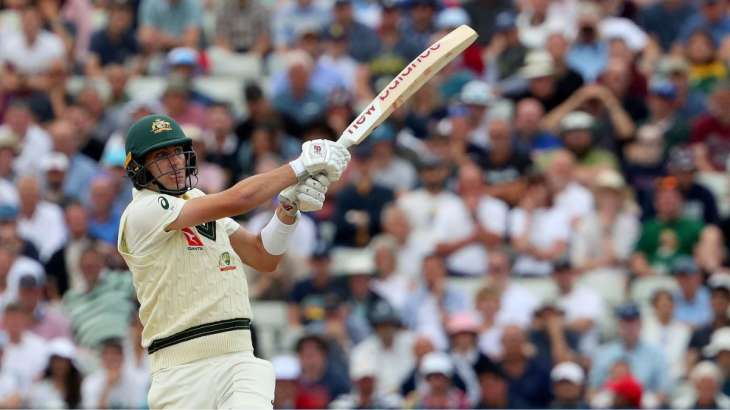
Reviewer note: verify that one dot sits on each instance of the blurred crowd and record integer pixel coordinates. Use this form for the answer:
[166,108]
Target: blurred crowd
[570,167]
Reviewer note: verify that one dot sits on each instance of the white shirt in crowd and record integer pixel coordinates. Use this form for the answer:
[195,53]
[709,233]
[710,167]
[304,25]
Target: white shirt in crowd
[584,303]
[46,229]
[454,222]
[33,58]
[576,200]
[128,393]
[8,193]
[588,239]
[516,306]
[421,208]
[672,339]
[36,143]
[398,175]
[394,289]
[490,342]
[45,395]
[27,359]
[548,226]
[393,365]
[8,385]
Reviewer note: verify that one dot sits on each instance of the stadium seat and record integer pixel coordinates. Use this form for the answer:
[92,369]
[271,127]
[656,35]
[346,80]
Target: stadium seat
[468,286]
[225,89]
[642,289]
[270,319]
[245,67]
[541,288]
[610,284]
[146,87]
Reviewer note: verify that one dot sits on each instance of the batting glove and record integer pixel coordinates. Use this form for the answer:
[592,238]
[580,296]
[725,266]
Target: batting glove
[306,196]
[321,157]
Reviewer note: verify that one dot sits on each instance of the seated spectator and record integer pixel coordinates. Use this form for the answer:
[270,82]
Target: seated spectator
[569,194]
[115,43]
[101,310]
[294,15]
[299,104]
[389,348]
[540,74]
[54,167]
[60,386]
[11,237]
[319,382]
[644,164]
[710,136]
[221,143]
[718,351]
[707,380]
[476,223]
[505,52]
[540,230]
[286,371]
[177,101]
[605,238]
[692,299]
[536,21]
[463,330]
[477,97]
[699,202]
[31,50]
[40,222]
[14,266]
[25,355]
[46,320]
[103,216]
[34,141]
[711,19]
[428,303]
[309,297]
[576,131]
[113,385]
[438,391]
[243,27]
[720,301]
[169,24]
[390,170]
[553,341]
[389,284]
[494,389]
[526,376]
[528,126]
[63,266]
[589,53]
[568,385]
[643,360]
[516,303]
[664,112]
[81,169]
[668,235]
[487,305]
[363,376]
[662,329]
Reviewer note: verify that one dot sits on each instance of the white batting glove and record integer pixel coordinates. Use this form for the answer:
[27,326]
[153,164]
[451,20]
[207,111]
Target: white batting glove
[306,196]
[321,157]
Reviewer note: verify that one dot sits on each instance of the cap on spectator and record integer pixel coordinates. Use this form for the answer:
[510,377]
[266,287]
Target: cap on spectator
[477,93]
[505,20]
[55,161]
[286,367]
[182,56]
[669,183]
[427,162]
[628,311]
[29,281]
[672,65]
[706,369]
[308,29]
[8,212]
[681,159]
[463,322]
[719,342]
[719,281]
[609,179]
[383,313]
[451,17]
[353,261]
[629,389]
[576,121]
[9,140]
[62,347]
[538,64]
[436,363]
[362,366]
[568,371]
[663,88]
[684,265]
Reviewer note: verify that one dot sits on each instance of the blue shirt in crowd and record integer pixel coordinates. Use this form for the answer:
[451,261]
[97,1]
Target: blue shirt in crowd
[696,312]
[647,364]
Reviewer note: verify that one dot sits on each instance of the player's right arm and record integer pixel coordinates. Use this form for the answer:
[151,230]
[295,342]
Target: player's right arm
[319,156]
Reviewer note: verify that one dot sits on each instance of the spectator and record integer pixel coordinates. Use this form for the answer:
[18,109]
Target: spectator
[540,231]
[494,389]
[645,361]
[568,80]
[168,24]
[665,19]
[707,392]
[103,217]
[463,330]
[438,392]
[287,371]
[505,53]
[34,141]
[390,284]
[10,394]
[605,239]
[718,351]
[178,102]
[478,97]
[60,386]
[516,302]
[712,16]
[10,235]
[576,131]
[690,102]
[419,25]
[505,163]
[9,150]
[662,329]
[720,301]
[699,202]
[63,266]
[569,195]
[363,376]
[540,74]
[391,171]
[466,231]
[568,386]
[40,222]
[112,386]
[116,43]
[25,354]
[320,384]
[487,305]
[243,26]
[711,131]
[528,128]
[705,65]
[14,265]
[535,22]
[666,236]
[102,309]
[430,303]
[300,104]
[362,42]
[664,112]
[54,167]
[526,376]
[81,168]
[294,15]
[31,50]
[552,340]
[309,296]
[693,298]
[46,320]
[589,53]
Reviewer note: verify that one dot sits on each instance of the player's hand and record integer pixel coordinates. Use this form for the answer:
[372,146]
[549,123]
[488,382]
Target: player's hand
[321,157]
[306,196]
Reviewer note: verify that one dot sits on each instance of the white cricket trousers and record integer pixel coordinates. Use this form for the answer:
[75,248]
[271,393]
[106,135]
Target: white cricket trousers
[230,381]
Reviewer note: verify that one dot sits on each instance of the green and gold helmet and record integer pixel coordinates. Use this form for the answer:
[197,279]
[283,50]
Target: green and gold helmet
[149,134]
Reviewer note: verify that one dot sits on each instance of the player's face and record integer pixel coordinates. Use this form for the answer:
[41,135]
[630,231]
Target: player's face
[167,166]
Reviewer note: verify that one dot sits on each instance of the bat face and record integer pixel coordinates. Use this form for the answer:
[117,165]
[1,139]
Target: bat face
[407,82]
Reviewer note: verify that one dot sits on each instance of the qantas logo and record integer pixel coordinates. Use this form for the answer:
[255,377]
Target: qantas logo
[192,239]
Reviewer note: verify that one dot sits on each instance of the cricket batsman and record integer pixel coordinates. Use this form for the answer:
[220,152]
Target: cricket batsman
[186,256]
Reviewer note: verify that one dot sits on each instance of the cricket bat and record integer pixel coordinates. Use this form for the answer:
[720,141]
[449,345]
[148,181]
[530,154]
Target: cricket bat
[407,82]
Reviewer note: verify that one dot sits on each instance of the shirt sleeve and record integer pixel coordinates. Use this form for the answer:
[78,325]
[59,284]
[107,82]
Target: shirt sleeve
[146,222]
[230,225]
